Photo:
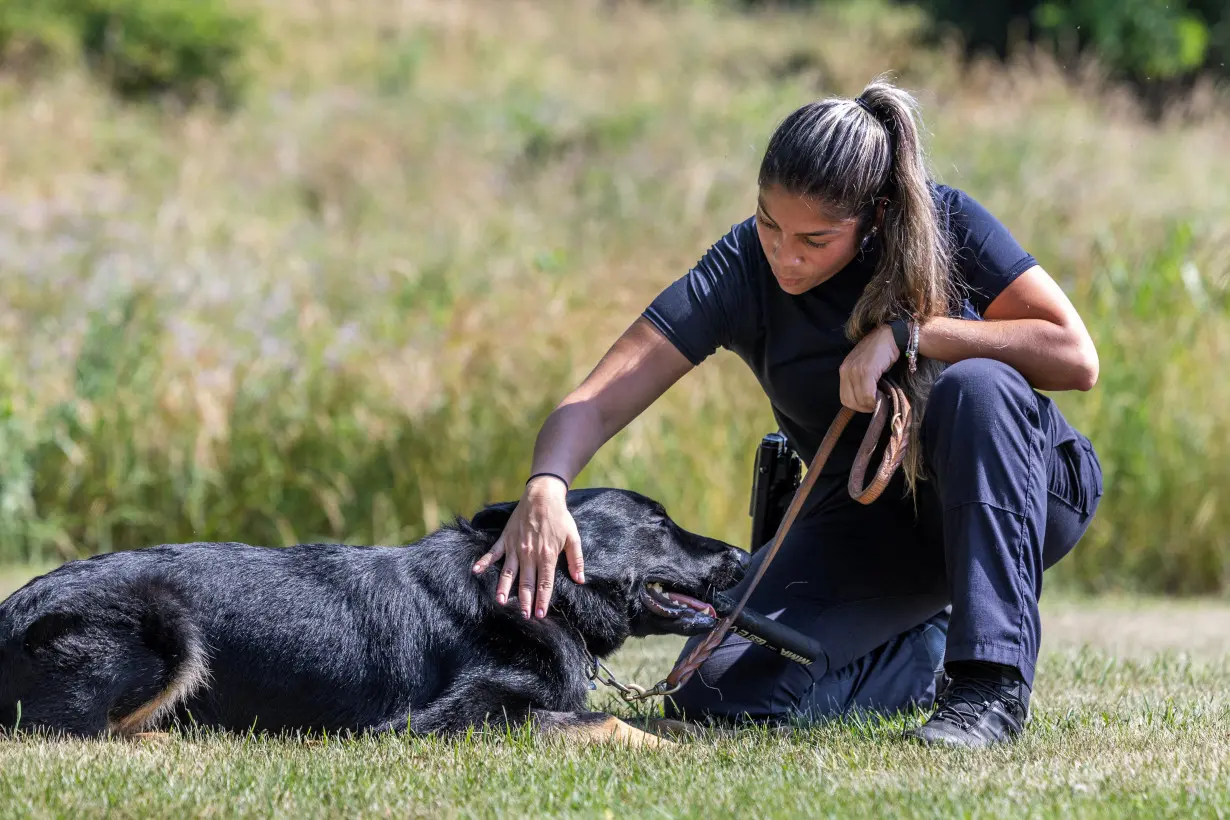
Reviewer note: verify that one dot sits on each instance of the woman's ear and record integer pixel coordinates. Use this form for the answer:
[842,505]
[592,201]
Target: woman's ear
[877,223]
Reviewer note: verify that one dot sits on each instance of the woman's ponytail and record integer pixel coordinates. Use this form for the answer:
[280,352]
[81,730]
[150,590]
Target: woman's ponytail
[864,159]
[912,277]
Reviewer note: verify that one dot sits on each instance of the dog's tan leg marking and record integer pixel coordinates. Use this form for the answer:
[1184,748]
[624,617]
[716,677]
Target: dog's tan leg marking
[613,730]
[190,676]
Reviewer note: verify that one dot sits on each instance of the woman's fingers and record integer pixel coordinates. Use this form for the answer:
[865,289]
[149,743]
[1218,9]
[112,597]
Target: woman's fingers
[843,391]
[576,560]
[507,574]
[867,394]
[530,560]
[858,388]
[852,389]
[546,581]
[496,551]
[525,589]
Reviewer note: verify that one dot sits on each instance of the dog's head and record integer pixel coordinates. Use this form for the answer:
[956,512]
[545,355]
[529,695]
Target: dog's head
[641,561]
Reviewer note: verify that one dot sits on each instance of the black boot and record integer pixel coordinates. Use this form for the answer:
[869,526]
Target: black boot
[980,705]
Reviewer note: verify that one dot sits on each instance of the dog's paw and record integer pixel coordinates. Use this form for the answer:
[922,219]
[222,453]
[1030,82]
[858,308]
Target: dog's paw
[646,739]
[679,728]
[596,727]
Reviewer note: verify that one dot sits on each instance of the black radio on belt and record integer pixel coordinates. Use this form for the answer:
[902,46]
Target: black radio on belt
[778,473]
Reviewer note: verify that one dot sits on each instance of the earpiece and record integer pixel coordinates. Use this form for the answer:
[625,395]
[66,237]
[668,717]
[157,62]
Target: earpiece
[866,243]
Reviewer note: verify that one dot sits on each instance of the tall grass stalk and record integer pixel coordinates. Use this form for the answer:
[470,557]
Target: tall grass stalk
[343,311]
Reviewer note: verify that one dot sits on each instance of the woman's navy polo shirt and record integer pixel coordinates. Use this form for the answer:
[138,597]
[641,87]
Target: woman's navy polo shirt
[795,344]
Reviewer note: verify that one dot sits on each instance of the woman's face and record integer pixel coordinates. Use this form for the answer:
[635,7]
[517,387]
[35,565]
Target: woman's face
[804,248]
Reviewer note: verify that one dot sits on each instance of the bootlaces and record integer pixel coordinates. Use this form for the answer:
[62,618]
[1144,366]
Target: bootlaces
[966,700]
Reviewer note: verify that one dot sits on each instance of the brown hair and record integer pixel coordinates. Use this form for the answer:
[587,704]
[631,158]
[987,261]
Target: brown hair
[851,156]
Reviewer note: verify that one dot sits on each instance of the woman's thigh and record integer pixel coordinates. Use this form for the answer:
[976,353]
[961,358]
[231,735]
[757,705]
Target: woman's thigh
[900,674]
[854,578]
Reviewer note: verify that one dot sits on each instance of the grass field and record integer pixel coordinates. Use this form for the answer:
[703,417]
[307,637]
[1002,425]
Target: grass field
[342,310]
[1131,716]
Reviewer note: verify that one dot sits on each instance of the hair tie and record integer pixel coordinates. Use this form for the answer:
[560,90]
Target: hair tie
[887,123]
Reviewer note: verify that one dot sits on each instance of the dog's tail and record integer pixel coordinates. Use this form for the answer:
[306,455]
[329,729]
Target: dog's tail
[108,662]
[170,641]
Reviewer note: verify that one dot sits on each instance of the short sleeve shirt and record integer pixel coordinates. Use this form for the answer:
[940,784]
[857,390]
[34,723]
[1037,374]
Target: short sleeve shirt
[795,344]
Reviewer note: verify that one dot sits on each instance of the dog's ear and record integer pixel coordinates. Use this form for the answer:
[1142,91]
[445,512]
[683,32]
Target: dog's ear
[48,628]
[493,517]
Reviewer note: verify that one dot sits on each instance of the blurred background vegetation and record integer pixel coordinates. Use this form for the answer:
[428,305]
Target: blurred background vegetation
[280,270]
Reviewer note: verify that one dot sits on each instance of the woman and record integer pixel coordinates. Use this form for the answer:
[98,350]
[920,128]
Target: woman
[853,259]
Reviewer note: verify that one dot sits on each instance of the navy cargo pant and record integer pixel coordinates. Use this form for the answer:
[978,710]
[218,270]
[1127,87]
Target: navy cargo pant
[891,593]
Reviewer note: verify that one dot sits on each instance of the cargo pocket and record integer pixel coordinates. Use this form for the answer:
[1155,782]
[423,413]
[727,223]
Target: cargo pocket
[1075,475]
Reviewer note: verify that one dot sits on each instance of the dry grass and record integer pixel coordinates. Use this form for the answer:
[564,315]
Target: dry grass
[352,303]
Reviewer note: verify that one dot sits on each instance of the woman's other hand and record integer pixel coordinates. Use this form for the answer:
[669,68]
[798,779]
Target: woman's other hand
[860,373]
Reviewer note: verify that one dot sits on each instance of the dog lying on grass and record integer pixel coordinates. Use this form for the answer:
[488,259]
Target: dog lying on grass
[331,637]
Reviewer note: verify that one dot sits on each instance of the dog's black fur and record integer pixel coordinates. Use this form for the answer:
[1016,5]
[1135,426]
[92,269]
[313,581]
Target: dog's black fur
[331,637]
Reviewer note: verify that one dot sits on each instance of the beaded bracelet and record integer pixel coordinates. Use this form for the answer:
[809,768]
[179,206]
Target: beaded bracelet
[911,352]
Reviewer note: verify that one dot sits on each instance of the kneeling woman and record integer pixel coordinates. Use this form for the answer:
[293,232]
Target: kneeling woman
[854,256]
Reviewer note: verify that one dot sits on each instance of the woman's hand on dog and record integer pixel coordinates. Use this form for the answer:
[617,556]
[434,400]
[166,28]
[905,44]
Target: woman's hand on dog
[537,531]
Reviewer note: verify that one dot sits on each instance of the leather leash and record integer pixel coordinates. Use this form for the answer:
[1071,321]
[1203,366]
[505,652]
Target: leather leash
[893,456]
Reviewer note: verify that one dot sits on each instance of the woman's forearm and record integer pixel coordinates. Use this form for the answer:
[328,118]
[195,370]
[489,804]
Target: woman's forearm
[638,368]
[1049,355]
[569,438]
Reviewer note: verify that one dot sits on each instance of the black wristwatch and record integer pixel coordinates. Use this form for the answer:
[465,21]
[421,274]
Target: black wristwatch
[901,333]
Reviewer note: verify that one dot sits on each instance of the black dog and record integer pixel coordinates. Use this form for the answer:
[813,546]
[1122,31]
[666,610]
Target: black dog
[330,637]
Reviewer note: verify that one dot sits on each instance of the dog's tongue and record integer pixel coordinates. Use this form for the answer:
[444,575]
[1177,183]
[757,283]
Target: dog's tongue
[689,601]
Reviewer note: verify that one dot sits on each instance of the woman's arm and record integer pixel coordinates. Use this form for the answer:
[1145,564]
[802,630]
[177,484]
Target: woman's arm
[638,368]
[1031,326]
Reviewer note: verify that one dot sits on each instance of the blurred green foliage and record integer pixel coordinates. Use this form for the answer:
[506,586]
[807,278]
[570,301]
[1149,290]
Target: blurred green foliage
[139,48]
[1140,40]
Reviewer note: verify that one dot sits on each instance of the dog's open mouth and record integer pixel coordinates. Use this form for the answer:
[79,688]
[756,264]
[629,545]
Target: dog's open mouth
[668,604]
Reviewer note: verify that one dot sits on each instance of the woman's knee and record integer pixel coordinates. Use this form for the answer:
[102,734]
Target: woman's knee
[901,674]
[975,394]
[976,381]
[740,682]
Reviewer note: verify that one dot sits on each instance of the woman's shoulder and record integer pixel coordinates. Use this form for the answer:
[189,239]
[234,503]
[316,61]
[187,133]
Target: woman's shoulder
[713,304]
[956,206]
[987,255]
[968,221]
[736,255]
[744,239]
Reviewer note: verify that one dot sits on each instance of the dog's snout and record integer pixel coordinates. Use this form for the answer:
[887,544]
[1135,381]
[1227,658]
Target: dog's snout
[733,567]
